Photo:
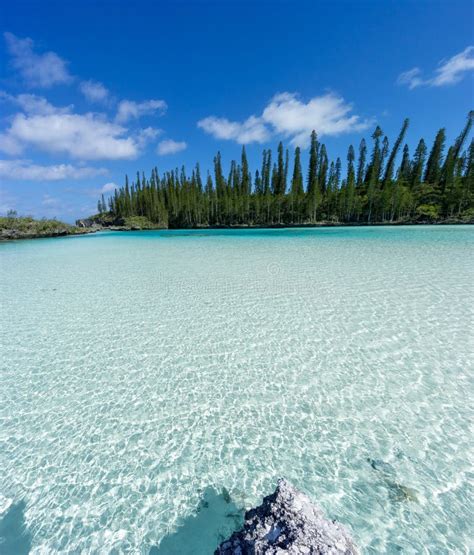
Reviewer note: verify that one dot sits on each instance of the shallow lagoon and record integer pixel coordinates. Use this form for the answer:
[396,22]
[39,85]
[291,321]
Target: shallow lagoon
[156,383]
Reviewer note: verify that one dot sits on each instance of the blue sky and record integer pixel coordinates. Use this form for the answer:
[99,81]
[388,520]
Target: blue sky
[90,91]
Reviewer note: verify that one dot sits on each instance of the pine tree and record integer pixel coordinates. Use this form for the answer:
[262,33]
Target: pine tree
[405,166]
[374,170]
[296,187]
[350,184]
[313,191]
[179,200]
[313,161]
[297,179]
[361,164]
[418,163]
[396,147]
[323,168]
[433,166]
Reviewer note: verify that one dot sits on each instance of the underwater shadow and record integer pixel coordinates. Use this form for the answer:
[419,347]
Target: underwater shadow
[215,519]
[14,537]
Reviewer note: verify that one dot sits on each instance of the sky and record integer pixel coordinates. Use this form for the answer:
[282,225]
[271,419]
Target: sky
[90,91]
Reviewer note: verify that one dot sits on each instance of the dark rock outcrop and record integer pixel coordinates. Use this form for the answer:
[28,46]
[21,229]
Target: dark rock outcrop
[288,522]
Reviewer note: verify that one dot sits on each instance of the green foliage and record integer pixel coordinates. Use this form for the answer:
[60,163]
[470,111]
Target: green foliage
[429,211]
[25,226]
[376,192]
[140,222]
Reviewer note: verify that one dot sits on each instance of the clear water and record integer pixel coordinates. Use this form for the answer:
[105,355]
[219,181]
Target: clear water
[154,384]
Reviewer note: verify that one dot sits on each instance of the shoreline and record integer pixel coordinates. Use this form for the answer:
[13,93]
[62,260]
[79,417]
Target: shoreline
[15,235]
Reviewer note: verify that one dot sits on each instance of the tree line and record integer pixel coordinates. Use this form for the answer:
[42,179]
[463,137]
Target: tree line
[372,188]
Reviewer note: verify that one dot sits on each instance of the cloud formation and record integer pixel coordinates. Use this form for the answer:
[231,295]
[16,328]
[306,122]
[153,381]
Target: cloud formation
[109,187]
[328,114]
[449,72]
[289,116]
[37,70]
[28,171]
[168,146]
[252,130]
[128,109]
[94,91]
[85,137]
[34,104]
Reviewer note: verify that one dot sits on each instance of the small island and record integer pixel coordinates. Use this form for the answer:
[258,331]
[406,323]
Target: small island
[428,187]
[14,227]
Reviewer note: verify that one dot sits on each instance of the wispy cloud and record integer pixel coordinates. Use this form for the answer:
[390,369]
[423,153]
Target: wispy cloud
[28,171]
[411,78]
[252,130]
[128,109]
[168,146]
[34,104]
[94,91]
[146,135]
[289,116]
[37,70]
[449,71]
[48,200]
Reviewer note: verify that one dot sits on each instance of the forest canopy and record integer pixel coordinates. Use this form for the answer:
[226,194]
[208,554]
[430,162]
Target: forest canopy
[379,183]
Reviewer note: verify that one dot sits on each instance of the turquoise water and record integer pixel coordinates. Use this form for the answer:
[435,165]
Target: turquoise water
[154,384]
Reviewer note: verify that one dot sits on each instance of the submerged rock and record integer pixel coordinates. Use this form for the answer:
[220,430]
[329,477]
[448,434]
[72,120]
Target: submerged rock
[398,492]
[288,522]
[382,466]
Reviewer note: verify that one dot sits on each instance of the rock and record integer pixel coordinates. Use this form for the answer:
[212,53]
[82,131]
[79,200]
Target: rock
[86,222]
[288,522]
[382,466]
[397,491]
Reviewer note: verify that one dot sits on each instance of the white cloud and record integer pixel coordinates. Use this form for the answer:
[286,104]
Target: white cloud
[28,171]
[38,70]
[411,78]
[453,69]
[449,72]
[34,104]
[109,187]
[328,114]
[146,135]
[287,115]
[86,137]
[168,146]
[128,109]
[94,91]
[10,145]
[252,130]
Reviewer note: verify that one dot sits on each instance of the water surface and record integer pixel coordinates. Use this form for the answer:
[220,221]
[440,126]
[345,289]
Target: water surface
[154,384]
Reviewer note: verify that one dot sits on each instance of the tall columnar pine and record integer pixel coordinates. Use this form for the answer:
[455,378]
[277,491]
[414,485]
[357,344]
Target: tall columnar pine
[349,196]
[361,169]
[297,191]
[389,168]
[405,166]
[373,172]
[373,192]
[435,159]
[313,189]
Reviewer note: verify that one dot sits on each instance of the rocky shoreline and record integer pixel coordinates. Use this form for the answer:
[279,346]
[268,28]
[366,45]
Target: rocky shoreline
[288,522]
[13,228]
[86,226]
